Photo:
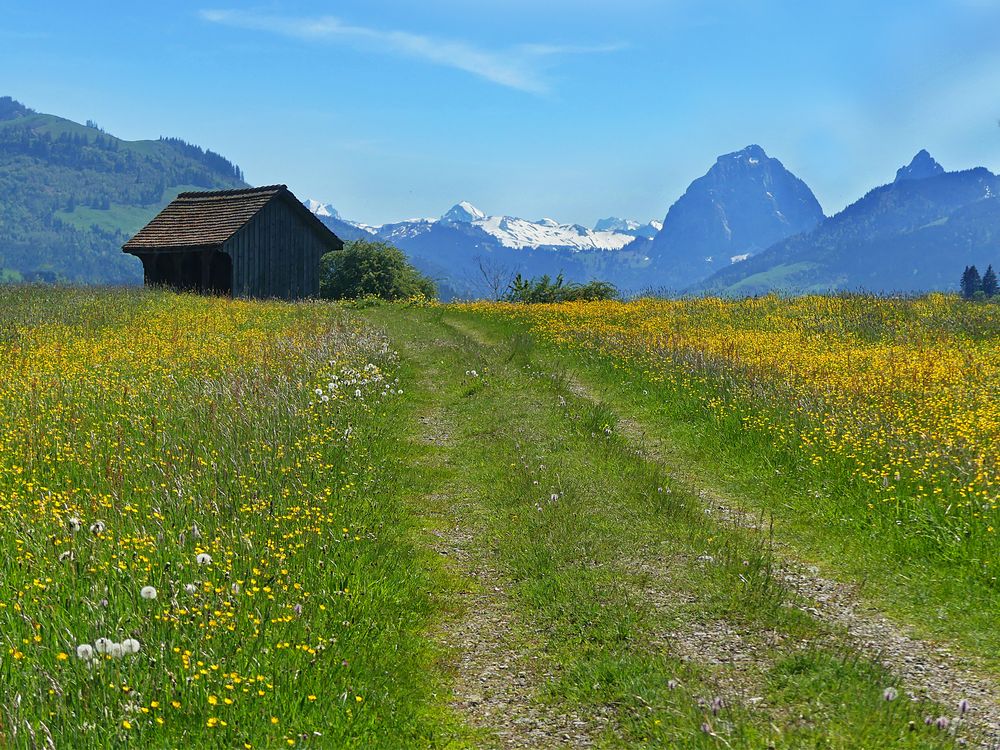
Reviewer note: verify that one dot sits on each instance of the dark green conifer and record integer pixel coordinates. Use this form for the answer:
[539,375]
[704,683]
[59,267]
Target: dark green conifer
[990,282]
[971,282]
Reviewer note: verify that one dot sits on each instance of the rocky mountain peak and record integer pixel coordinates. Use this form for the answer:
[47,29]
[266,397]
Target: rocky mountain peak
[921,167]
[746,202]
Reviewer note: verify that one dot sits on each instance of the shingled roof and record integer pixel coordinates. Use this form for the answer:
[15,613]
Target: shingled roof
[207,219]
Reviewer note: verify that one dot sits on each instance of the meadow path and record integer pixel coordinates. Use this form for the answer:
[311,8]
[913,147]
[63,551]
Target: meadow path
[596,600]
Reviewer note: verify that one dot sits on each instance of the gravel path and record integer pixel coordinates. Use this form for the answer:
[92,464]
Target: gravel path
[496,679]
[927,670]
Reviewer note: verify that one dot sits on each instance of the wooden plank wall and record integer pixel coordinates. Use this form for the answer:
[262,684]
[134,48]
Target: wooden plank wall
[275,255]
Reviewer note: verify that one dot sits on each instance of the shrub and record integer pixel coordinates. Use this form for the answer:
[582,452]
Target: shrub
[545,289]
[365,268]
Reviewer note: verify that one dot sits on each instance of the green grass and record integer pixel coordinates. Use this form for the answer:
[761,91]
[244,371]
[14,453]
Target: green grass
[783,276]
[579,568]
[816,508]
[189,425]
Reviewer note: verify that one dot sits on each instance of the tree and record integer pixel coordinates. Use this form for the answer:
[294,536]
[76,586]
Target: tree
[971,282]
[990,287]
[368,268]
[495,276]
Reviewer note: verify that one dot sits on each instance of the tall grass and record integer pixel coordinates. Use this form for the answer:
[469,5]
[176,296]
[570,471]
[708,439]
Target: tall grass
[200,542]
[869,423]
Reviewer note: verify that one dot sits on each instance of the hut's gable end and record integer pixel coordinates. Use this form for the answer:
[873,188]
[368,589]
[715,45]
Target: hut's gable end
[276,254]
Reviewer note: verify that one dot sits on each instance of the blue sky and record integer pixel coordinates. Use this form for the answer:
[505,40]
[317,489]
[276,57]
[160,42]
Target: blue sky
[570,109]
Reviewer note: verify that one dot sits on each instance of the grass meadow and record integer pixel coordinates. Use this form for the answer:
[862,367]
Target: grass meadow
[230,524]
[867,426]
[201,541]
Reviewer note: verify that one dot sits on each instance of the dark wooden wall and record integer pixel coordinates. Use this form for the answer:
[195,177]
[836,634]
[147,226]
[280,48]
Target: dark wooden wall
[276,254]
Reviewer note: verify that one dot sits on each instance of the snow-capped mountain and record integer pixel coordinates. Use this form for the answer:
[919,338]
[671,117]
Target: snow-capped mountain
[453,247]
[519,234]
[463,213]
[627,226]
[321,209]
[508,231]
[547,233]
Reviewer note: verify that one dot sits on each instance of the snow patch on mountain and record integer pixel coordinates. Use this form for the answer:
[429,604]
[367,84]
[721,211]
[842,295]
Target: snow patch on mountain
[614,224]
[520,234]
[463,213]
[508,231]
[629,226]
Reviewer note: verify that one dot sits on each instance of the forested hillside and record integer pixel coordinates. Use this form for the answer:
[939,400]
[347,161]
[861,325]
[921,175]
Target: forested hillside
[71,194]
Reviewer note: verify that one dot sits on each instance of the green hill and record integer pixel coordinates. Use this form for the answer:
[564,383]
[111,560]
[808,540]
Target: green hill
[71,194]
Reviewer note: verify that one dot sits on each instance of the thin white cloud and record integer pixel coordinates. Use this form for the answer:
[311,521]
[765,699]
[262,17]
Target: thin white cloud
[516,68]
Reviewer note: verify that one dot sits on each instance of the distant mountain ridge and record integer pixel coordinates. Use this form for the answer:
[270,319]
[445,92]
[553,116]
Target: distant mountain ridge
[913,234]
[71,194]
[456,247]
[742,205]
[510,231]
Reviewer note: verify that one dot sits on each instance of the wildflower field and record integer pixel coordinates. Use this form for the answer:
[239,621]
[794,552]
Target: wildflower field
[881,415]
[194,494]
[233,524]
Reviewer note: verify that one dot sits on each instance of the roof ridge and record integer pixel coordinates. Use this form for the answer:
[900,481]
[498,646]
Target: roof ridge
[235,191]
[209,218]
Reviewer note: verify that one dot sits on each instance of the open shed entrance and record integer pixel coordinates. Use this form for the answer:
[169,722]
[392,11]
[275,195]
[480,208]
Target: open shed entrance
[203,271]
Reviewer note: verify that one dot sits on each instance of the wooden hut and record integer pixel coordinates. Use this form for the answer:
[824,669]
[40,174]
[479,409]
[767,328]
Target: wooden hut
[257,242]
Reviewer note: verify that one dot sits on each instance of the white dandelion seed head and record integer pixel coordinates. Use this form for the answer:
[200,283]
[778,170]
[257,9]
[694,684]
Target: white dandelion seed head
[148,592]
[74,524]
[85,651]
[204,559]
[67,555]
[357,393]
[102,645]
[325,398]
[130,646]
[889,694]
[190,588]
[319,391]
[116,651]
[98,527]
